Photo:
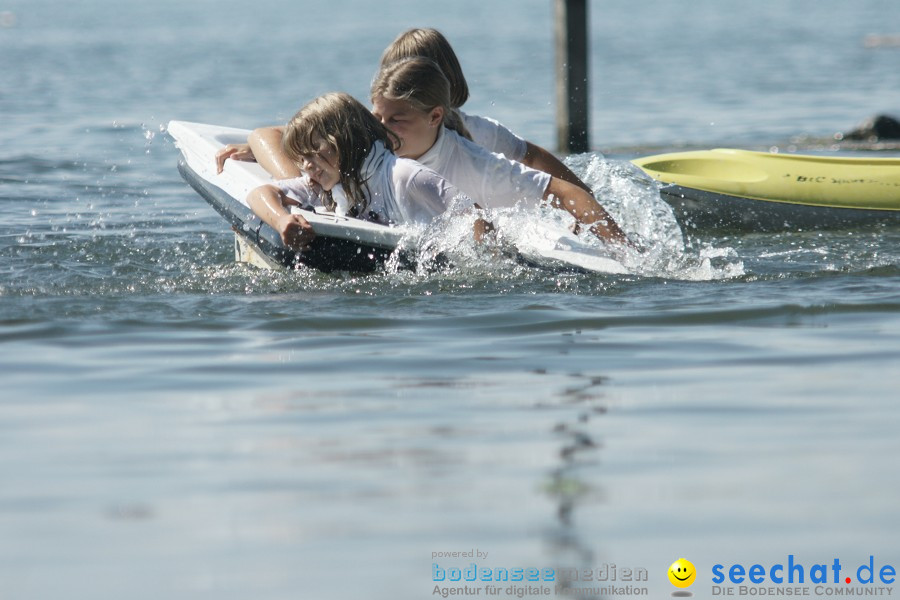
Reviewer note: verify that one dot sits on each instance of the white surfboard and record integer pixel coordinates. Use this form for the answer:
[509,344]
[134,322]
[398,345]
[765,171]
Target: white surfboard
[554,246]
[341,243]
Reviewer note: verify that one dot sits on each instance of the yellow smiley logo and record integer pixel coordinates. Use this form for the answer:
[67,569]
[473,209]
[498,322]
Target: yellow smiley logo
[682,573]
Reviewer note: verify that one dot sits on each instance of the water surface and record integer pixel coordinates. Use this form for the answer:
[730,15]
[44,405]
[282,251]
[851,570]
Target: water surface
[176,425]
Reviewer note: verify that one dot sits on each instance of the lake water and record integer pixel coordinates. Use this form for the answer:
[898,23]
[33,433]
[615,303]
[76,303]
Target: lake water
[174,425]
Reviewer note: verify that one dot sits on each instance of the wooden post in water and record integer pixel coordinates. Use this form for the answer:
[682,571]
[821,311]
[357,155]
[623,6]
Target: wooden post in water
[572,75]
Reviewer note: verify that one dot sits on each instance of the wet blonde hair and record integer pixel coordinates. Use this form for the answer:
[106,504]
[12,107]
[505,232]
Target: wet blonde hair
[432,44]
[349,128]
[420,82]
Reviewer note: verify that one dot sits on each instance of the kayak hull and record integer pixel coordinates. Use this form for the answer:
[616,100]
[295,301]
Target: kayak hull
[701,210]
[739,189]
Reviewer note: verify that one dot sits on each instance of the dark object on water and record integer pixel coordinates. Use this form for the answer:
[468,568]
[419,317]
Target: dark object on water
[880,127]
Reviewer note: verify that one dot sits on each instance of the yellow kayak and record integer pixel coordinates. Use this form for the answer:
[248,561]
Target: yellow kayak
[725,187]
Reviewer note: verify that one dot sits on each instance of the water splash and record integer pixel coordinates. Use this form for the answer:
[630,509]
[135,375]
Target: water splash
[447,246]
[528,241]
[633,199]
[543,237]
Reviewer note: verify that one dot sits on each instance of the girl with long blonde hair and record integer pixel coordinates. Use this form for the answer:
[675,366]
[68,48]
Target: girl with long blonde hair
[349,167]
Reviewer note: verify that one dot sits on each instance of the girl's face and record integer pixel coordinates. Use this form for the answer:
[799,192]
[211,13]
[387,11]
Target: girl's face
[322,165]
[417,130]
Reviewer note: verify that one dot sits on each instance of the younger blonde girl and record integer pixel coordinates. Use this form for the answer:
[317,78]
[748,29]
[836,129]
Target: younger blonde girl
[349,167]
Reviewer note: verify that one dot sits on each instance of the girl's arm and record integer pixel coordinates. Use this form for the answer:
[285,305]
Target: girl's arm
[265,143]
[544,160]
[585,208]
[271,205]
[263,146]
